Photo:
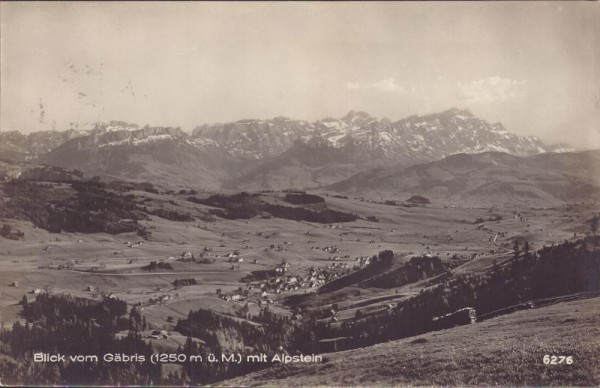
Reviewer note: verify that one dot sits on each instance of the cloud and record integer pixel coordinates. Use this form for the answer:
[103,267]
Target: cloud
[492,89]
[385,85]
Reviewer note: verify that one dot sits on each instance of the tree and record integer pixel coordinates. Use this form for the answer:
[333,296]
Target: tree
[516,250]
[386,255]
[6,229]
[135,319]
[245,311]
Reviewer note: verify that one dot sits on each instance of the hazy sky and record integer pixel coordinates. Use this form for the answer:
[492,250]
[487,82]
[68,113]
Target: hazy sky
[533,66]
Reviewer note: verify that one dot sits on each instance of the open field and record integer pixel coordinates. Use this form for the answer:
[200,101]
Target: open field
[501,351]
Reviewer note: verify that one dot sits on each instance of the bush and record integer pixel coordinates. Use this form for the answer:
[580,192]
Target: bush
[418,200]
[184,282]
[154,265]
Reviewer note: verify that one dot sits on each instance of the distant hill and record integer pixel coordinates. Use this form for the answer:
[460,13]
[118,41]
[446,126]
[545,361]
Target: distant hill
[145,154]
[301,166]
[489,176]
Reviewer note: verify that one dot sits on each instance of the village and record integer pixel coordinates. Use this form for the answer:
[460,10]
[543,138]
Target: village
[261,286]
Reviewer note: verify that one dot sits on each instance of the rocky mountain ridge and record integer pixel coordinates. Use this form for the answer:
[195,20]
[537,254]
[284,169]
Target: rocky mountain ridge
[422,138]
[276,153]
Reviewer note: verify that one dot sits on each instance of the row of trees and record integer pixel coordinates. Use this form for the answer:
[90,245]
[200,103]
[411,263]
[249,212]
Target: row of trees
[303,199]
[417,268]
[244,206]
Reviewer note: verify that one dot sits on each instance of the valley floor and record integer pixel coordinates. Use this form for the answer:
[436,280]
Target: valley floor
[507,350]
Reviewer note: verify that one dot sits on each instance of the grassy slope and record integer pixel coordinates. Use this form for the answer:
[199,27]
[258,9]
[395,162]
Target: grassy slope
[507,350]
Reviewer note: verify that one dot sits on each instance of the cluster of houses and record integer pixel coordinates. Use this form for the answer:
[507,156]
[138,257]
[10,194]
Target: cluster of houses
[331,249]
[238,295]
[340,266]
[285,282]
[362,261]
[282,267]
[160,299]
[234,258]
[319,276]
[186,256]
[133,245]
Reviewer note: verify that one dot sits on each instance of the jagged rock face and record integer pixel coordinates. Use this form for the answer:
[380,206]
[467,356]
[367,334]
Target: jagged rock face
[430,137]
[252,139]
[416,138]
[451,132]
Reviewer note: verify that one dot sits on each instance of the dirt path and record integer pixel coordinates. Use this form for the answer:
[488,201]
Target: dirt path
[149,273]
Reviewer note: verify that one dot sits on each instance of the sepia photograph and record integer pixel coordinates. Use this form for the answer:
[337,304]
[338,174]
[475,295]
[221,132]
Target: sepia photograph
[300,193]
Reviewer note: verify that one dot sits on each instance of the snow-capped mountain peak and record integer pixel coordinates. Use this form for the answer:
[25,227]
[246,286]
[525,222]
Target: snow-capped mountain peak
[357,139]
[358,118]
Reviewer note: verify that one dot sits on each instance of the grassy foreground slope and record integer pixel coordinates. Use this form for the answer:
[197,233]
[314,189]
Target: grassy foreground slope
[507,350]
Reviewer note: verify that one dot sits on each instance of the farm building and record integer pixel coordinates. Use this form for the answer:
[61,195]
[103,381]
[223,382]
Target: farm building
[460,317]
[157,334]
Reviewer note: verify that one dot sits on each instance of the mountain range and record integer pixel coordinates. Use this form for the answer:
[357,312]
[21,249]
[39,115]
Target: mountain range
[268,154]
[16,146]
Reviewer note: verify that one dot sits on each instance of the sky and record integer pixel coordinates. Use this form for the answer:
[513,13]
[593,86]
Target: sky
[534,66]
